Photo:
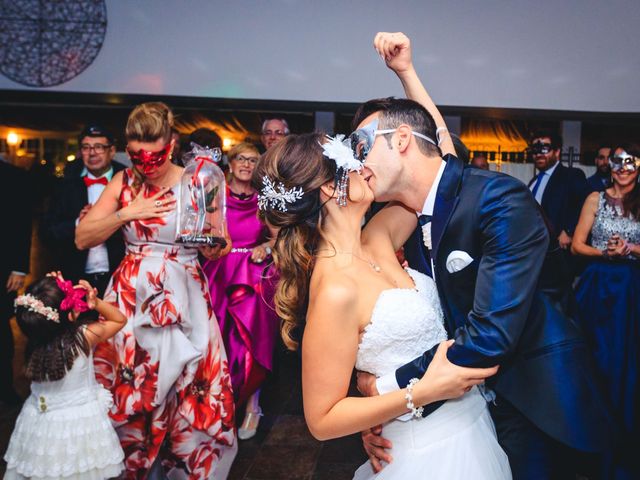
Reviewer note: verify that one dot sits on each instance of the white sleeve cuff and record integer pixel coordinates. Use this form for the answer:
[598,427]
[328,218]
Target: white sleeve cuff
[387,383]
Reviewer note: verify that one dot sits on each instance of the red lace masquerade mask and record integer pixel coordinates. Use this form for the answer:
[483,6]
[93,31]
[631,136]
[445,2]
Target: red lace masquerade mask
[147,161]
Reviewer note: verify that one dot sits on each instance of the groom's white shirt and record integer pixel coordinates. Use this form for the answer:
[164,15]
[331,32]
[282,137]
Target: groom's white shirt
[387,383]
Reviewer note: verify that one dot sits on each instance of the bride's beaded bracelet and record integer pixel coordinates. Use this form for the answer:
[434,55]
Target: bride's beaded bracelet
[416,412]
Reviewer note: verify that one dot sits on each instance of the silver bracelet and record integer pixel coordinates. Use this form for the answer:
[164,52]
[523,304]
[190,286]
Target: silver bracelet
[118,215]
[416,412]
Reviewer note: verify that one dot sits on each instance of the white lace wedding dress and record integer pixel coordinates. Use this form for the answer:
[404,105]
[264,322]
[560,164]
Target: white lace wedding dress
[458,440]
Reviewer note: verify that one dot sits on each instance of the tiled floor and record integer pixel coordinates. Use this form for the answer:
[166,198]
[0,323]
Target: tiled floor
[282,449]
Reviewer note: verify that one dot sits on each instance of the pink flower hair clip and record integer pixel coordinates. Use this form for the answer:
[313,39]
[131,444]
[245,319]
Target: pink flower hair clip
[73,296]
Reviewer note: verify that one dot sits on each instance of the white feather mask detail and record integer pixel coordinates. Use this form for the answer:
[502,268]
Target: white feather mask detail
[339,150]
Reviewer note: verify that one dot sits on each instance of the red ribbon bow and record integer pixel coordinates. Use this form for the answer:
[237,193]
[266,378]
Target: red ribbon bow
[194,180]
[73,297]
[92,181]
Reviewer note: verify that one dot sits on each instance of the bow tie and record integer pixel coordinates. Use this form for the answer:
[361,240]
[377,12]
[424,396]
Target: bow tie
[92,181]
[424,219]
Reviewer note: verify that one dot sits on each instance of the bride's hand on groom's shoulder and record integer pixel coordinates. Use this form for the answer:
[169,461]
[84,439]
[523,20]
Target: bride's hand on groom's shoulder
[444,380]
[395,49]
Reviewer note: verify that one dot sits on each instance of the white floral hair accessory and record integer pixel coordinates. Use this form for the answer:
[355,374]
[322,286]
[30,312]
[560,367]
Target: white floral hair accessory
[339,150]
[277,196]
[31,303]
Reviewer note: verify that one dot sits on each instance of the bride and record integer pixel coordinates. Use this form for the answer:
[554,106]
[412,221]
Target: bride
[359,307]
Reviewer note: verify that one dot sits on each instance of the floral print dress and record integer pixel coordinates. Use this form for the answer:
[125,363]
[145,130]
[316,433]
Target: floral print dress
[167,368]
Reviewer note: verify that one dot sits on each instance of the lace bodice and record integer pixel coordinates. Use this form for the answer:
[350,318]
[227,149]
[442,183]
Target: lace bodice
[609,220]
[404,323]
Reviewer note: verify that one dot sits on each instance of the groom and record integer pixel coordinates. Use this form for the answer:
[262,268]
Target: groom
[483,240]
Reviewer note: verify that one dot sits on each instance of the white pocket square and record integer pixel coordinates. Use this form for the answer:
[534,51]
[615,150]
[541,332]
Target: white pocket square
[457,260]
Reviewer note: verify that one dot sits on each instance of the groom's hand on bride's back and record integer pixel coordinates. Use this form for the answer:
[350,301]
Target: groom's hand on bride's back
[376,447]
[373,443]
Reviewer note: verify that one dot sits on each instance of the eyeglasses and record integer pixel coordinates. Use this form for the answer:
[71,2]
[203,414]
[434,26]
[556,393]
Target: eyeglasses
[362,140]
[97,147]
[624,162]
[247,160]
[273,133]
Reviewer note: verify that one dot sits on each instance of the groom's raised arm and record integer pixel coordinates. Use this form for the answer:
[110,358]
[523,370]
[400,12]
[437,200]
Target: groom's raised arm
[395,48]
[515,242]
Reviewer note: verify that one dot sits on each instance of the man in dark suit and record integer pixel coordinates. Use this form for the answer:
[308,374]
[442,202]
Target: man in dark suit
[15,198]
[560,190]
[484,240]
[601,180]
[73,197]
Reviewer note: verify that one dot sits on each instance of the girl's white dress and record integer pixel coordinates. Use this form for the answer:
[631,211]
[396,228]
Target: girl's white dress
[63,430]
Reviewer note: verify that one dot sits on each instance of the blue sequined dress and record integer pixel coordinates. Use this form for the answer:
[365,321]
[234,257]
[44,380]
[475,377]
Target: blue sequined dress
[608,298]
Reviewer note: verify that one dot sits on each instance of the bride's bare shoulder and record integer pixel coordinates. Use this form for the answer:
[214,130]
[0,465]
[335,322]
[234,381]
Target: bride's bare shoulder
[333,293]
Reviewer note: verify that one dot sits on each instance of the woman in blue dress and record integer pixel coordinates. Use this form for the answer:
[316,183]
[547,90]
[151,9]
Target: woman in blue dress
[608,298]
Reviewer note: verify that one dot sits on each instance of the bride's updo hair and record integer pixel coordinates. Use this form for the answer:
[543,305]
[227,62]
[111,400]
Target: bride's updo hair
[296,161]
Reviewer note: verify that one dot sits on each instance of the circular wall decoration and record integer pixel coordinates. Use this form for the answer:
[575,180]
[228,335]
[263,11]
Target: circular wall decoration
[45,43]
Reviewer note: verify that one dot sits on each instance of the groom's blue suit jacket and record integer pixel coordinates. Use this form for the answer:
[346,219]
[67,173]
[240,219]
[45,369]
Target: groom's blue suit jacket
[496,310]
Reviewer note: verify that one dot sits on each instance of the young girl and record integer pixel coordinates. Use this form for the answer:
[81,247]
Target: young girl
[63,430]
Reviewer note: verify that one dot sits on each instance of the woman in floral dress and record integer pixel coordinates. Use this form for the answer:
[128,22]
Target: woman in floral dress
[167,369]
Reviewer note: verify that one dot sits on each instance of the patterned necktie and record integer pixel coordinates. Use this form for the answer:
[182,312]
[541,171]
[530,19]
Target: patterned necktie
[93,181]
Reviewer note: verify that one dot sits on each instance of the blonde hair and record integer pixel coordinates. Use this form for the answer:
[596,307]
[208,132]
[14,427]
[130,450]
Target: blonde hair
[242,147]
[296,161]
[150,121]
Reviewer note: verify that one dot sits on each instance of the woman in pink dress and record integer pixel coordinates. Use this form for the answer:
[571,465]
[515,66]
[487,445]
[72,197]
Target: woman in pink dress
[167,369]
[241,285]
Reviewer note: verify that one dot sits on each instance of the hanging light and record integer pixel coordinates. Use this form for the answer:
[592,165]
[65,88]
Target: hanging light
[13,139]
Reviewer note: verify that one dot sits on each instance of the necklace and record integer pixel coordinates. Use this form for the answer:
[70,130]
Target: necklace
[376,268]
[241,195]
